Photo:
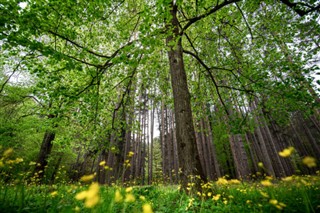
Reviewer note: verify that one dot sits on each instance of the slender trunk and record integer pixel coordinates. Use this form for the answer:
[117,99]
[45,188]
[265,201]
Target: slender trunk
[44,153]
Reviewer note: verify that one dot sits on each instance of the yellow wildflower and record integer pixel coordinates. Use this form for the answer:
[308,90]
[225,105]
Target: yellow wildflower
[234,181]
[273,201]
[146,208]
[129,189]
[130,154]
[209,194]
[117,196]
[222,181]
[309,161]
[286,152]
[225,202]
[91,196]
[102,163]
[7,152]
[19,160]
[216,197]
[129,198]
[32,163]
[53,194]
[87,178]
[143,198]
[266,183]
[289,178]
[264,194]
[260,164]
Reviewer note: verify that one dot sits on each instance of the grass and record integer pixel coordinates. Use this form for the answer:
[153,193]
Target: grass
[299,194]
[290,194]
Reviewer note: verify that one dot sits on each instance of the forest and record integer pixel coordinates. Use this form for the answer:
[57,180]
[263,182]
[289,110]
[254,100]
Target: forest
[159,106]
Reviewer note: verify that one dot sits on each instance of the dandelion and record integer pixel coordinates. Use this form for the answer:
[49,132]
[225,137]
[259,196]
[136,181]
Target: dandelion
[286,152]
[102,163]
[7,153]
[129,198]
[234,181]
[266,183]
[32,163]
[117,196]
[146,208]
[273,201]
[264,194]
[130,154]
[91,196]
[129,189]
[309,161]
[18,160]
[143,198]
[209,194]
[216,197]
[222,181]
[289,178]
[87,178]
[53,194]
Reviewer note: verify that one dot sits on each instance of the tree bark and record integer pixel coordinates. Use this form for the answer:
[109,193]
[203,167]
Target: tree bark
[187,149]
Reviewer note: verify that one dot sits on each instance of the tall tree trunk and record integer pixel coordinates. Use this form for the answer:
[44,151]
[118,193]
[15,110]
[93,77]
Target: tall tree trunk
[189,161]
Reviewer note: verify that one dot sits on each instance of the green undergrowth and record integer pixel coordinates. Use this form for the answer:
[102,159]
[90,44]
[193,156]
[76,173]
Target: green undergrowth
[297,194]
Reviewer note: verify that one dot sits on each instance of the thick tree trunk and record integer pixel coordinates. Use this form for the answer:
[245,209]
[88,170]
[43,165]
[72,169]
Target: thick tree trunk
[187,149]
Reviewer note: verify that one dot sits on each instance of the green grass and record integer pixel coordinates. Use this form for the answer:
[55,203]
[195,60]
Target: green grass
[302,194]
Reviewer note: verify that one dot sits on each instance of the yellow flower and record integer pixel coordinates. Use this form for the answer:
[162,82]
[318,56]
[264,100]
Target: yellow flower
[143,198]
[146,208]
[53,194]
[234,181]
[248,201]
[260,164]
[7,152]
[32,163]
[113,149]
[286,152]
[19,160]
[130,154]
[264,194]
[102,163]
[129,189]
[266,183]
[87,178]
[290,178]
[216,197]
[117,196]
[91,196]
[209,194]
[222,181]
[129,198]
[225,202]
[309,161]
[273,201]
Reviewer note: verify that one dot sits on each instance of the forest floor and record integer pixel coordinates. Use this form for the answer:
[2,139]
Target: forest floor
[291,194]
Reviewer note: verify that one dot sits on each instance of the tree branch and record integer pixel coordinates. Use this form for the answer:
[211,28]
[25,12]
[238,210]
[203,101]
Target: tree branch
[211,11]
[294,6]
[78,45]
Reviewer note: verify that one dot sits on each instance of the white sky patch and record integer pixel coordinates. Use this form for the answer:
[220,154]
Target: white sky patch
[23,4]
